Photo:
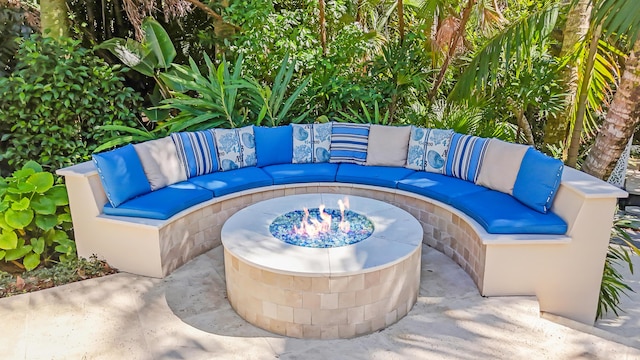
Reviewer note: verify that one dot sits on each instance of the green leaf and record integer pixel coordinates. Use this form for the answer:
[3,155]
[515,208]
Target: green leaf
[22,188]
[31,261]
[58,194]
[2,254]
[62,218]
[159,42]
[43,205]
[23,173]
[33,165]
[8,240]
[18,219]
[23,204]
[46,222]
[42,181]
[18,253]
[38,245]
[4,225]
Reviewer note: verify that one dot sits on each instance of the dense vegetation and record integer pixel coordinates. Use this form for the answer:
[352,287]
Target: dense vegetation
[561,76]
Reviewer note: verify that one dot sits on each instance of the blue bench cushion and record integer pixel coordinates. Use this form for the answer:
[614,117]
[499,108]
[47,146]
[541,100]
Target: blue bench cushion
[274,145]
[122,174]
[163,203]
[440,187]
[500,213]
[227,182]
[372,175]
[302,173]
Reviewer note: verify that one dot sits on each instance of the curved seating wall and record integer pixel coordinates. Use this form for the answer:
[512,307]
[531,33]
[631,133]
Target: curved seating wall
[469,223]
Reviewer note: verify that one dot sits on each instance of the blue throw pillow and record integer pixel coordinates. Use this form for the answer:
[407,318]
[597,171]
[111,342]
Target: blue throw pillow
[349,143]
[274,145]
[122,174]
[197,152]
[538,180]
[466,153]
[311,143]
[236,148]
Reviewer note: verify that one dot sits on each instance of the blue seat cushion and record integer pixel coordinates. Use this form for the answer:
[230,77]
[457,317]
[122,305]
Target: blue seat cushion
[227,182]
[500,213]
[122,174]
[274,145]
[302,173]
[386,176]
[163,203]
[439,187]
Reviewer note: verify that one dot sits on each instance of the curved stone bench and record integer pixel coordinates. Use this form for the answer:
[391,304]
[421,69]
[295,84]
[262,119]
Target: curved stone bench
[563,271]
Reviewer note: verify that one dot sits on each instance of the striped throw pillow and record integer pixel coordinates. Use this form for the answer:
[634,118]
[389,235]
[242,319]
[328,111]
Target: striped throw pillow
[349,143]
[465,156]
[197,152]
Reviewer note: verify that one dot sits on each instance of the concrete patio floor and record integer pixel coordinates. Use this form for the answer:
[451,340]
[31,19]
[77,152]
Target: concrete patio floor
[186,316]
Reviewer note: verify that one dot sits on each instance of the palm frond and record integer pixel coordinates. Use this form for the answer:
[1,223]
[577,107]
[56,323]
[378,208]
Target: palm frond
[507,46]
[618,17]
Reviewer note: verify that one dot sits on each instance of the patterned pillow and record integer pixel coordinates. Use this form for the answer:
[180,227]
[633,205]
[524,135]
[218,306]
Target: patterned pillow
[236,148]
[196,151]
[349,143]
[311,143]
[465,156]
[428,149]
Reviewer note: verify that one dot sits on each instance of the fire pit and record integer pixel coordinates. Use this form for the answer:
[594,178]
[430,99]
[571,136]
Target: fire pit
[322,265]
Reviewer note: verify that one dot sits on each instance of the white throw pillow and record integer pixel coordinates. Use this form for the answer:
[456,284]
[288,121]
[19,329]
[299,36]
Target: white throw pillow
[160,162]
[388,145]
[500,165]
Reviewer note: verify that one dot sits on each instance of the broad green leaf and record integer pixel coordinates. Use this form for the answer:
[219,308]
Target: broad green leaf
[23,204]
[159,42]
[42,181]
[38,245]
[46,222]
[4,225]
[131,53]
[4,206]
[8,240]
[18,253]
[66,217]
[23,173]
[22,188]
[57,236]
[31,261]
[2,254]
[43,205]
[33,165]
[58,194]
[18,219]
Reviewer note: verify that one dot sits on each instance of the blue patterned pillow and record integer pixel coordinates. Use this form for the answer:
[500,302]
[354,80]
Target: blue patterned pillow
[311,143]
[349,143]
[197,152]
[428,149]
[236,148]
[465,156]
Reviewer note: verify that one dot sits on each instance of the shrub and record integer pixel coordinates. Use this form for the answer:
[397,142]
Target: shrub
[56,99]
[34,218]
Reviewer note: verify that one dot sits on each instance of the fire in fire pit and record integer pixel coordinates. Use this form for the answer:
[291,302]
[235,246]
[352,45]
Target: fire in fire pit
[322,227]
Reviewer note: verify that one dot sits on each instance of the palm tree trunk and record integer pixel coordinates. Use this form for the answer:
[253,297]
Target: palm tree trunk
[452,49]
[576,134]
[53,17]
[575,29]
[401,21]
[620,123]
[323,28]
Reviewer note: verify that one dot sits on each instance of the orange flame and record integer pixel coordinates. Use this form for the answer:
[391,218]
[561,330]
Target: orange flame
[313,227]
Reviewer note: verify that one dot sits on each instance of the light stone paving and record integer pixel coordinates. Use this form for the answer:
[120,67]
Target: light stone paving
[187,316]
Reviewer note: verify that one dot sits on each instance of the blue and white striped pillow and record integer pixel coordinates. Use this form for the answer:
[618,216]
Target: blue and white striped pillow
[466,154]
[349,143]
[197,152]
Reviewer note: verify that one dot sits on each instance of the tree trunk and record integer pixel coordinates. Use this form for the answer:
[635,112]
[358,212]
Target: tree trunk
[401,21]
[54,19]
[323,28]
[576,135]
[452,49]
[523,124]
[620,123]
[575,29]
